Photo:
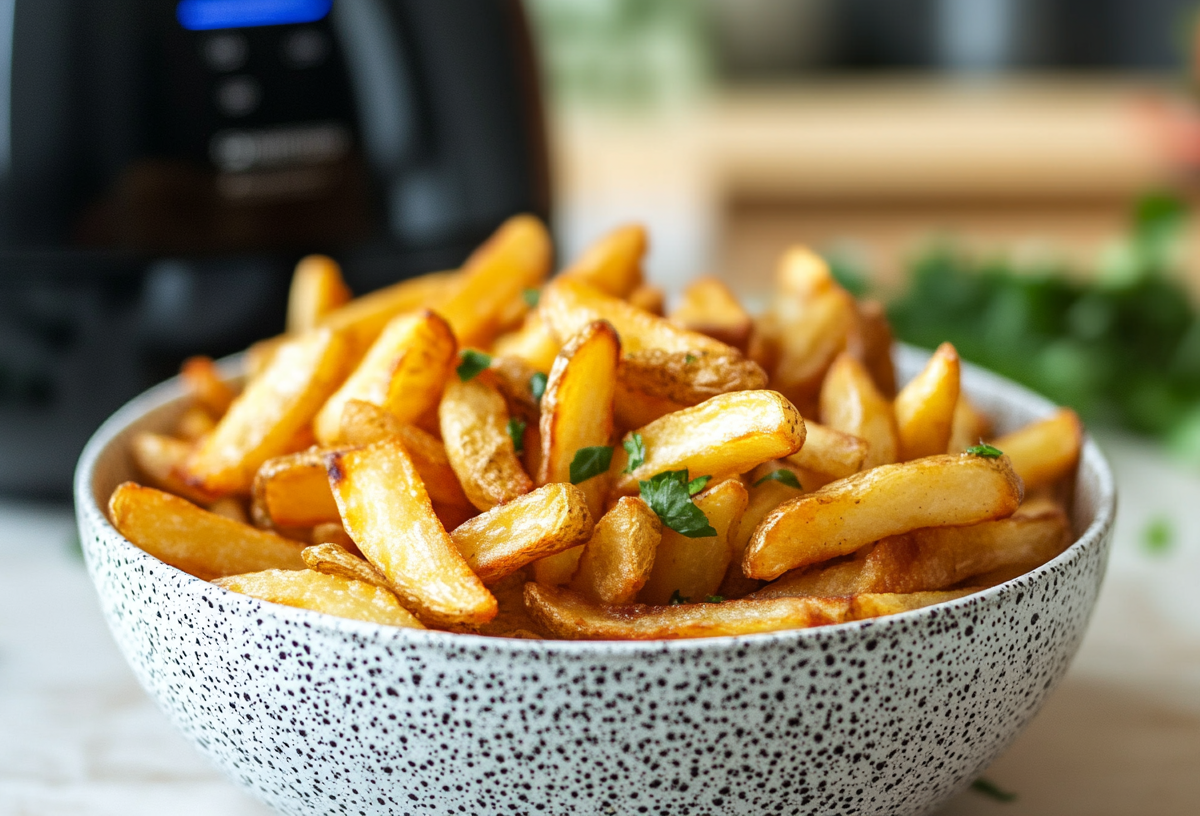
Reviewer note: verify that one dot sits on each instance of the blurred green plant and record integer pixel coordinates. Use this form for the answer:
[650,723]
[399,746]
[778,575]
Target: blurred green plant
[1121,346]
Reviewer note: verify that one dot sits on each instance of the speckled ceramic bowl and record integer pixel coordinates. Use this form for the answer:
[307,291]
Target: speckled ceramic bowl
[319,715]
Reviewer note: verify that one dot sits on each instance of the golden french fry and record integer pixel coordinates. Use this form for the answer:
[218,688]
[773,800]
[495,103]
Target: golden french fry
[163,461]
[763,499]
[613,264]
[387,513]
[649,299]
[501,541]
[331,594]
[721,437]
[558,569]
[474,422]
[512,620]
[568,614]
[230,508]
[516,257]
[195,423]
[766,344]
[688,379]
[969,427]
[694,567]
[204,381]
[888,500]
[830,453]
[567,306]
[633,408]
[878,605]
[924,408]
[1045,451]
[577,407]
[708,307]
[194,540]
[513,377]
[617,560]
[870,342]
[361,320]
[333,559]
[403,373]
[293,491]
[851,403]
[333,533]
[263,422]
[317,289]
[532,342]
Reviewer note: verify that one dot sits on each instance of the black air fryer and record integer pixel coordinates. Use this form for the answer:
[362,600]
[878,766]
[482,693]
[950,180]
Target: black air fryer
[164,163]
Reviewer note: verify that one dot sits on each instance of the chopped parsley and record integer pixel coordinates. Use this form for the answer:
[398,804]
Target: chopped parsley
[990,789]
[715,598]
[532,296]
[537,385]
[677,599]
[636,449]
[698,484]
[689,358]
[471,363]
[516,432]
[783,475]
[667,495]
[589,462]
[985,450]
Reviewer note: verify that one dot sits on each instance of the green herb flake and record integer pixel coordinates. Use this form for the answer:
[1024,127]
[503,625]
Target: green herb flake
[783,475]
[532,296]
[589,462]
[516,432]
[698,484]
[667,495]
[471,363]
[677,599]
[1158,536]
[715,599]
[636,449]
[984,450]
[537,385]
[991,790]
[690,358]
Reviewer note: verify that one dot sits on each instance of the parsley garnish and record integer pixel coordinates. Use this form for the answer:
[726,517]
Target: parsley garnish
[537,385]
[782,475]
[677,599]
[472,363]
[589,462]
[715,598]
[516,432]
[984,450]
[988,788]
[689,358]
[698,484]
[667,495]
[636,449]
[532,296]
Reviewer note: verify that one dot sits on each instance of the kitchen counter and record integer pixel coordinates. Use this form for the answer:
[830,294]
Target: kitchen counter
[1119,737]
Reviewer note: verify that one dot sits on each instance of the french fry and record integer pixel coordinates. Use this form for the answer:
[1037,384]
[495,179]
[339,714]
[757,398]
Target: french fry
[567,614]
[317,289]
[517,257]
[830,453]
[694,567]
[230,508]
[474,423]
[721,437]
[513,620]
[194,540]
[613,264]
[403,373]
[1045,451]
[766,344]
[851,403]
[331,594]
[617,560]
[362,320]
[333,559]
[649,299]
[532,342]
[633,408]
[557,569]
[194,424]
[293,491]
[569,305]
[708,307]
[501,541]
[263,422]
[870,342]
[924,408]
[888,500]
[163,461]
[513,377]
[876,605]
[763,499]
[969,427]
[387,513]
[333,533]
[204,381]
[577,408]
[688,379]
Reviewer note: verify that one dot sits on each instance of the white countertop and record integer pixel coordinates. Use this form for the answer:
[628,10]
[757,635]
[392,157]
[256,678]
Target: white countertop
[1120,736]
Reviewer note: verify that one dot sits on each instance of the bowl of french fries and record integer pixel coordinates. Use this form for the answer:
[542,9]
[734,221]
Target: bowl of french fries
[492,541]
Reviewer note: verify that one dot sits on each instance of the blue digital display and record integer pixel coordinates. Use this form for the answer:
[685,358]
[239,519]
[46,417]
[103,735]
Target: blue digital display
[207,15]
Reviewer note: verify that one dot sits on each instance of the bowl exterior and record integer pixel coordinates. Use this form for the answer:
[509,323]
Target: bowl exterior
[320,715]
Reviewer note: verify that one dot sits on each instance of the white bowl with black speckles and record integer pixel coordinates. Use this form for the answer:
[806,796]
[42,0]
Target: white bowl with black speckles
[319,715]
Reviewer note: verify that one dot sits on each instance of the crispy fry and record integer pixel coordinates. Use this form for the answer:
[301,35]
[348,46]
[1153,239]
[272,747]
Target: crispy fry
[361,320]
[503,540]
[333,559]
[633,408]
[194,540]
[567,614]
[888,500]
[830,453]
[293,491]
[878,605]
[924,408]
[532,342]
[516,257]
[403,373]
[721,437]
[708,307]
[694,567]
[230,508]
[851,403]
[204,381]
[569,305]
[557,569]
[263,422]
[649,299]
[163,461]
[195,423]
[513,378]
[617,560]
[870,342]
[969,427]
[763,499]
[613,264]
[333,533]
[766,345]
[317,289]
[577,407]
[1045,451]
[474,421]
[331,594]
[513,620]
[688,379]
[387,513]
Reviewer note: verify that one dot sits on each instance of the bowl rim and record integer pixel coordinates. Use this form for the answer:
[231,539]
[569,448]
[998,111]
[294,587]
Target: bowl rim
[169,390]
